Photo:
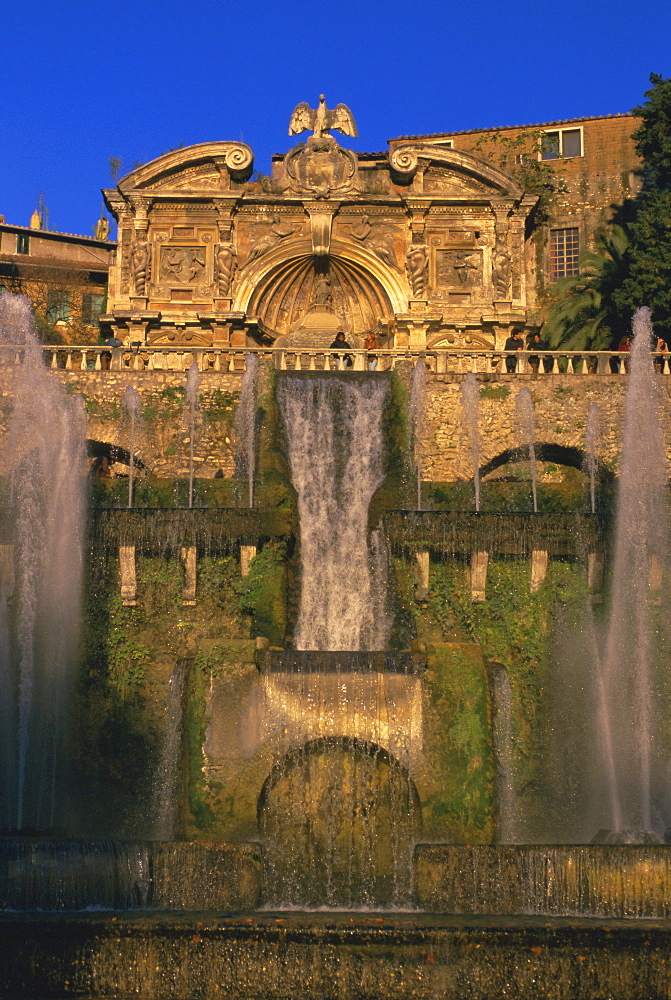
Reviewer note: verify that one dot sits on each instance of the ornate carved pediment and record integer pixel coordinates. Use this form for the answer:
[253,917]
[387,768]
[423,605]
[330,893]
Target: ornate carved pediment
[321,167]
[209,164]
[405,160]
[450,184]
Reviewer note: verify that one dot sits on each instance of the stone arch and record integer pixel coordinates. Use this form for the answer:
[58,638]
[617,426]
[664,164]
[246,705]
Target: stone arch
[339,816]
[278,287]
[546,452]
[98,450]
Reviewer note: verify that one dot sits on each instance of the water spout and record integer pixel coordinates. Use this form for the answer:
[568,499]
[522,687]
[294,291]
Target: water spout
[525,414]
[470,402]
[641,546]
[591,443]
[245,422]
[44,456]
[417,397]
[133,406]
[192,386]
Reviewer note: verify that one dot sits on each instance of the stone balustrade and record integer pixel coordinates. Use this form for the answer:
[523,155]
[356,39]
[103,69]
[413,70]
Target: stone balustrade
[442,361]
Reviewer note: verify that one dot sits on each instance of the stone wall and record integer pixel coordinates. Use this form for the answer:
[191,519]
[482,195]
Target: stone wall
[561,402]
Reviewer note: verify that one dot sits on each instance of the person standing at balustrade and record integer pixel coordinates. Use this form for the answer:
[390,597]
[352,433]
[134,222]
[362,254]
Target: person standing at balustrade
[345,360]
[513,343]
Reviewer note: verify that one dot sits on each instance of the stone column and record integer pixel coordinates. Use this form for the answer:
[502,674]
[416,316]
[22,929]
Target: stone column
[539,568]
[128,576]
[422,563]
[479,564]
[247,553]
[187,554]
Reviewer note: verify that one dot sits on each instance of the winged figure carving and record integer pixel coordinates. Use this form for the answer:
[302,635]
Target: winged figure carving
[321,120]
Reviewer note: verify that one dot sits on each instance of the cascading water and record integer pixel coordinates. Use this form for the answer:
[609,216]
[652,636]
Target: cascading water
[470,402]
[499,686]
[44,457]
[417,398]
[192,386]
[245,423]
[133,406]
[167,776]
[626,670]
[525,414]
[591,443]
[336,454]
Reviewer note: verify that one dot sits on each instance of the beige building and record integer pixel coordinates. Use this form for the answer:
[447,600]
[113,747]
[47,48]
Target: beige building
[64,276]
[595,166]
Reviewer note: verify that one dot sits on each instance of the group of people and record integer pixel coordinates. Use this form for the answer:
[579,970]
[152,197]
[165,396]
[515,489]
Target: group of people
[370,344]
[515,342]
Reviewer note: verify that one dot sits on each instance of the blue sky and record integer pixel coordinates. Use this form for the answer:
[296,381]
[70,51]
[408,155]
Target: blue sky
[84,81]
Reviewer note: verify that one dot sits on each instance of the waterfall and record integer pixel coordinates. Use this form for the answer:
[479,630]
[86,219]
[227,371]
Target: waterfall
[336,455]
[133,406]
[470,402]
[167,776]
[525,414]
[417,397]
[245,422]
[499,686]
[192,386]
[44,456]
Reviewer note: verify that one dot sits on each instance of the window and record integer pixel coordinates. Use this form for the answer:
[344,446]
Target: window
[22,243]
[58,306]
[93,305]
[561,143]
[564,253]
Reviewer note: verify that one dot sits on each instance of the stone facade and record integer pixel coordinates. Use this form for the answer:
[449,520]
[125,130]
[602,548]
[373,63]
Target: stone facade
[424,246]
[595,174]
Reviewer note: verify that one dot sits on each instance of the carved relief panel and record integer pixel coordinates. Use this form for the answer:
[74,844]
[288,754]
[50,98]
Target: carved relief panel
[183,263]
[456,264]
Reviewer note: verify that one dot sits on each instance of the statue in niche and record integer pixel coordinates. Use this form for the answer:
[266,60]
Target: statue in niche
[140,260]
[502,266]
[224,267]
[278,231]
[416,268]
[380,242]
[322,296]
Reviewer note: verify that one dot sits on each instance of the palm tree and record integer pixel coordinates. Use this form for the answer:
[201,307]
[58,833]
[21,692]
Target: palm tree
[584,316]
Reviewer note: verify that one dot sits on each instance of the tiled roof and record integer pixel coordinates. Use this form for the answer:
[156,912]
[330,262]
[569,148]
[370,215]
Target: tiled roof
[55,234]
[501,128]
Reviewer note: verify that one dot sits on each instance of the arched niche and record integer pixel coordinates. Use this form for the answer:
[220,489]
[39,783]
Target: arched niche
[339,817]
[279,289]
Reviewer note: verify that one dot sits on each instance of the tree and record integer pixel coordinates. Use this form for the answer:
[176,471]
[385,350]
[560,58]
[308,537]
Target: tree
[648,281]
[584,313]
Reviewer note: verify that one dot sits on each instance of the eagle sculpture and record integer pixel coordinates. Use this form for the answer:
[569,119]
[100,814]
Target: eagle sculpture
[321,120]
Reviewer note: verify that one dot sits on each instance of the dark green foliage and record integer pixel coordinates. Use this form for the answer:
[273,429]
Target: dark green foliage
[585,314]
[649,279]
[263,593]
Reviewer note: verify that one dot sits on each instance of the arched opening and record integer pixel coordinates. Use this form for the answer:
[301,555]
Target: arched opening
[506,461]
[339,817]
[110,460]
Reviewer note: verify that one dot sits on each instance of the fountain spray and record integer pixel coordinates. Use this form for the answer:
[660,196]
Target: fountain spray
[470,402]
[192,386]
[133,406]
[417,395]
[525,414]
